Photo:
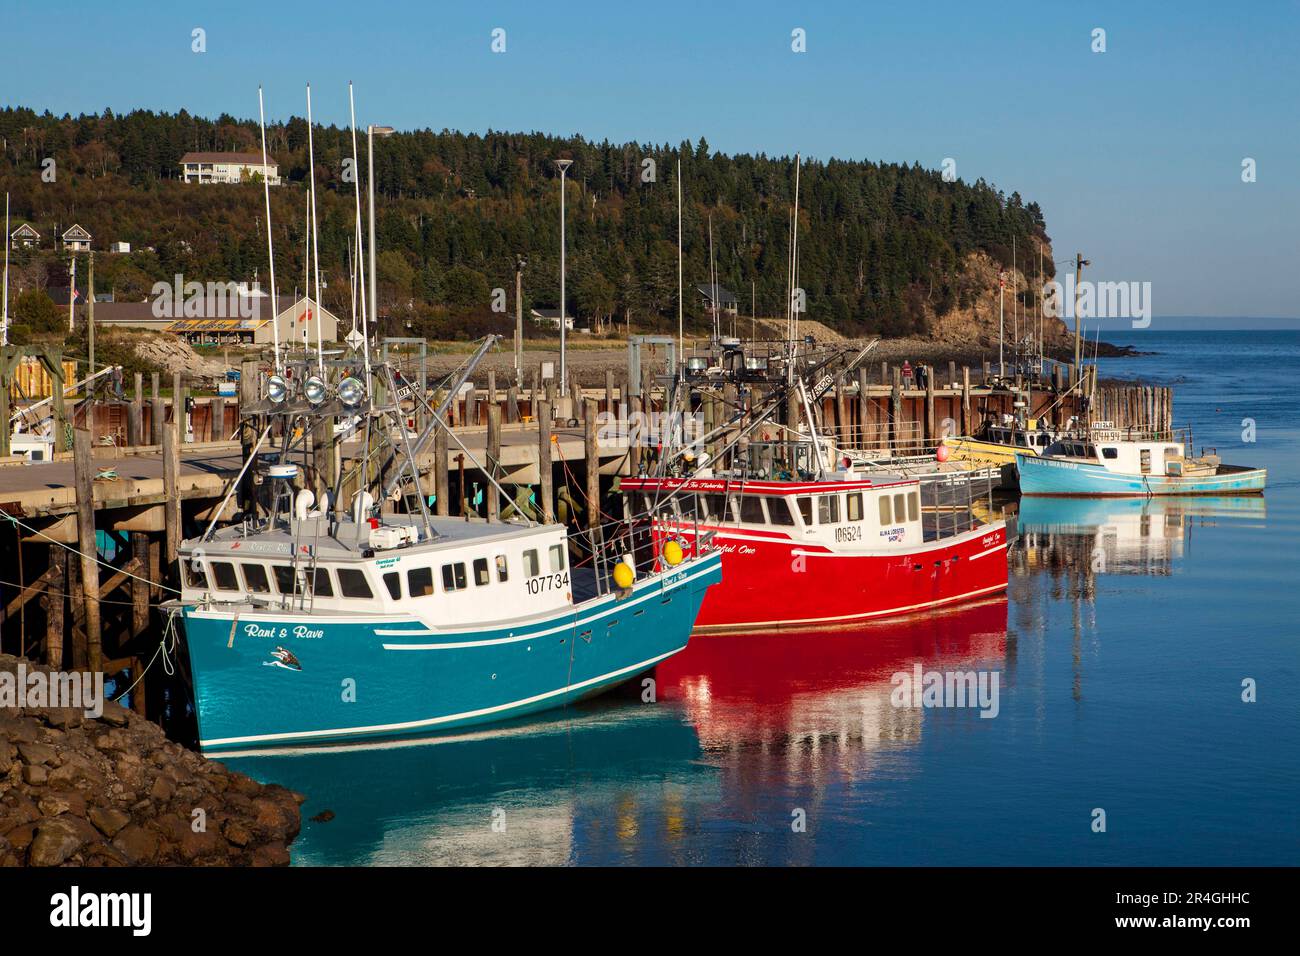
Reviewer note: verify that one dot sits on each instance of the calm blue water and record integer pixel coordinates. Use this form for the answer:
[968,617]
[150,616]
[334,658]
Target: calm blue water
[1120,650]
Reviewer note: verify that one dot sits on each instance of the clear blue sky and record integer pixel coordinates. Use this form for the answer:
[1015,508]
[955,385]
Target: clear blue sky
[1134,154]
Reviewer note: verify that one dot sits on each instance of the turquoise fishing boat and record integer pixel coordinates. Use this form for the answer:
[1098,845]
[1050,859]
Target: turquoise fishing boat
[310,624]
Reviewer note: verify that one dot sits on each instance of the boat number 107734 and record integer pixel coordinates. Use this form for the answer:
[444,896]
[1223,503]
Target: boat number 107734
[548,582]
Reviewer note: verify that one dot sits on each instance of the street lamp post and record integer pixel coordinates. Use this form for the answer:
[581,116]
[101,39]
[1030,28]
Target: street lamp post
[563,165]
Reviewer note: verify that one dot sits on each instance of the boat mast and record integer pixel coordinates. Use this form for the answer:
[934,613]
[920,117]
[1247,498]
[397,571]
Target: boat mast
[4,309]
[361,274]
[270,246]
[681,338]
[315,243]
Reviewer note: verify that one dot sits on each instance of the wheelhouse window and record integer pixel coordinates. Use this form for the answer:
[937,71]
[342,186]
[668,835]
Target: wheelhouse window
[1109,452]
[255,578]
[778,510]
[828,509]
[532,567]
[223,576]
[853,506]
[393,581]
[284,579]
[805,509]
[557,558]
[900,506]
[503,570]
[886,515]
[914,506]
[419,582]
[194,577]
[751,510]
[319,581]
[353,583]
[481,575]
[453,577]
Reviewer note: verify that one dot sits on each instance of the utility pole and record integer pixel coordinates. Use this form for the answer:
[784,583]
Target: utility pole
[90,314]
[1079,263]
[72,292]
[520,262]
[1002,287]
[564,165]
[4,310]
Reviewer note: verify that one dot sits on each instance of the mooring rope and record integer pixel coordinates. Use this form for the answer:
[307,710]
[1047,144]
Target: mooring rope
[168,666]
[97,559]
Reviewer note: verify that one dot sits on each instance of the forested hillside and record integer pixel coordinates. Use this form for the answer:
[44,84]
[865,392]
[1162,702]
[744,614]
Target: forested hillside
[882,247]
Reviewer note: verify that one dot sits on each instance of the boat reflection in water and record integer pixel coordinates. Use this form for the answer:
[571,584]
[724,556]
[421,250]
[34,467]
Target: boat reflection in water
[1119,536]
[799,711]
[1065,545]
[528,793]
[705,774]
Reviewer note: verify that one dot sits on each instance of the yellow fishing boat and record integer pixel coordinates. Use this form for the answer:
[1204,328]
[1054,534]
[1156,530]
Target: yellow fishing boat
[998,445]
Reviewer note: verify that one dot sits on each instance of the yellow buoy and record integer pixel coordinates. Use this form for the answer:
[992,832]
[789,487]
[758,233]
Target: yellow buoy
[624,575]
[673,553]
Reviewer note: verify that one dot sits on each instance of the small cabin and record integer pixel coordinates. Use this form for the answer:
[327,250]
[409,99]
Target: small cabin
[1018,437]
[1123,457]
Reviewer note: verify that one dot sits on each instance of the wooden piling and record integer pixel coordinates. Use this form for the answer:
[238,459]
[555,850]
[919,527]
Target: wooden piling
[896,410]
[135,414]
[178,407]
[493,461]
[593,470]
[84,476]
[155,412]
[931,432]
[172,504]
[512,404]
[140,587]
[546,477]
[55,595]
[441,474]
[966,423]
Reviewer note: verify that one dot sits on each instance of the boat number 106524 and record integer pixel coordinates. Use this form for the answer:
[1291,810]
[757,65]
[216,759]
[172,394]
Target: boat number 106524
[548,582]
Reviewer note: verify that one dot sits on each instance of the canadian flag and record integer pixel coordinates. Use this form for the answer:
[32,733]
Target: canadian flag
[306,316]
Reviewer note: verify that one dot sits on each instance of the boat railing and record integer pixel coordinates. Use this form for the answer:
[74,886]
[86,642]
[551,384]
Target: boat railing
[1124,433]
[953,507]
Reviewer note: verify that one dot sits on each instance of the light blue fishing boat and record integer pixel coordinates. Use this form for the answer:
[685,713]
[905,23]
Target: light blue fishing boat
[1107,463]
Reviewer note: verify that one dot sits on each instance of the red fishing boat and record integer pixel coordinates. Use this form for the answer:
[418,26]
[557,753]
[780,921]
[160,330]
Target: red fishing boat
[838,548]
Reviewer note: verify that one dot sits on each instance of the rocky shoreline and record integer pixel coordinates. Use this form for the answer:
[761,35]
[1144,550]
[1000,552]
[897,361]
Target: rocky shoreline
[114,791]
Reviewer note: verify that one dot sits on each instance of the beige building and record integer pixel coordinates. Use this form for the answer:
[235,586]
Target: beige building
[216,322]
[227,168]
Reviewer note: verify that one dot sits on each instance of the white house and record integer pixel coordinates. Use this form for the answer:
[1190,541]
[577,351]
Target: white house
[76,239]
[551,318]
[119,246]
[227,168]
[25,237]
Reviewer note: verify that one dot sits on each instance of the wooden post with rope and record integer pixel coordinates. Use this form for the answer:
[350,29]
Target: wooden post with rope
[546,477]
[84,476]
